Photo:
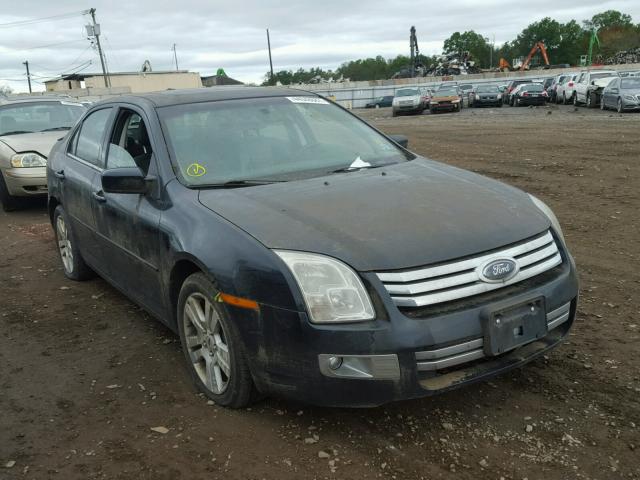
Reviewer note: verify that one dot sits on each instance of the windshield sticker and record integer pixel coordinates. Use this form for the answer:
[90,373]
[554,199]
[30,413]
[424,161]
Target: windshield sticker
[316,100]
[71,104]
[196,170]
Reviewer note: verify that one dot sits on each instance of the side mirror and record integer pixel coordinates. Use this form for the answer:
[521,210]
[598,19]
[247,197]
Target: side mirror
[124,180]
[401,140]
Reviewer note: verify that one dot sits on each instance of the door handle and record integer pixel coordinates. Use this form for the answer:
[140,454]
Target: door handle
[99,196]
[59,174]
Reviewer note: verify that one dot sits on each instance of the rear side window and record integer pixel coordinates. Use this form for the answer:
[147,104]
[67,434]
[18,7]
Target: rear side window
[89,142]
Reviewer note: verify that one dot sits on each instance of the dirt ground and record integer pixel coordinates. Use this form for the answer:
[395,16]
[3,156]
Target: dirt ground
[85,374]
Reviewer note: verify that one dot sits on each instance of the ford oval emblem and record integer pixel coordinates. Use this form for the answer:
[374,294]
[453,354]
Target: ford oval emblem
[498,270]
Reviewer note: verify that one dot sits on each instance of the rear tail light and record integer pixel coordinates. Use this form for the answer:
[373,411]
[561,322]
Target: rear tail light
[571,84]
[544,94]
[525,94]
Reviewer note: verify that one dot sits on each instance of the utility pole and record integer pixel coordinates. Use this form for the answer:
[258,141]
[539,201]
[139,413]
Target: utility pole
[175,56]
[26,64]
[270,61]
[94,31]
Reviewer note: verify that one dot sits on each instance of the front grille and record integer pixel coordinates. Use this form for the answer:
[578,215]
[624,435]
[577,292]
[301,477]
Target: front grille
[461,279]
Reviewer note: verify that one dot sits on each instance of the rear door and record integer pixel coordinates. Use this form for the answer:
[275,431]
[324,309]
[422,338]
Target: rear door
[83,164]
[127,224]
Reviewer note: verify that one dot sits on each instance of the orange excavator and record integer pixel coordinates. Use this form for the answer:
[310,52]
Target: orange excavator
[543,50]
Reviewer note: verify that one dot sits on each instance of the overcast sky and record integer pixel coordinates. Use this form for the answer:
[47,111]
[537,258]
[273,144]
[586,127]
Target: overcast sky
[231,34]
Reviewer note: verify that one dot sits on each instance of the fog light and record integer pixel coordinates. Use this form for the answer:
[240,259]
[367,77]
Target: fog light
[334,362]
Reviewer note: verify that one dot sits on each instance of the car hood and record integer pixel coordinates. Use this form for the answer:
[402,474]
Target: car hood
[603,82]
[445,98]
[417,213]
[40,142]
[413,98]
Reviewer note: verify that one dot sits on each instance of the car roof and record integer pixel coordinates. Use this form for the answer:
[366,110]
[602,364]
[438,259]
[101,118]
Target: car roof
[212,94]
[13,101]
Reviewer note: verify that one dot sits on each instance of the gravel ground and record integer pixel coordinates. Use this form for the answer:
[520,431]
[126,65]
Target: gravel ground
[86,377]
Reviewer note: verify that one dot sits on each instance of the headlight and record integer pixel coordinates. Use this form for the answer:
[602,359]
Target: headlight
[544,208]
[455,101]
[629,97]
[434,102]
[26,160]
[332,291]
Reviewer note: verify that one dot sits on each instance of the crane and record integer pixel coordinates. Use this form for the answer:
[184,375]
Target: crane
[592,41]
[543,50]
[415,51]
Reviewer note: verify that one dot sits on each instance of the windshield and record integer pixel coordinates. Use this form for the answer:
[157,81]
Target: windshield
[38,116]
[447,92]
[487,89]
[270,139]
[630,82]
[407,92]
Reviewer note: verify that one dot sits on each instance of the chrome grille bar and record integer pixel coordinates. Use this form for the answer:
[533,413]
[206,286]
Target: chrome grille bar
[460,279]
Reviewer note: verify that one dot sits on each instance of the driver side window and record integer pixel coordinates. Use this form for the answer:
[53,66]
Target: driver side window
[130,145]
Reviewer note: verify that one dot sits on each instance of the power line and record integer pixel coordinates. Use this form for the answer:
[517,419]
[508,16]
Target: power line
[30,21]
[46,46]
[69,66]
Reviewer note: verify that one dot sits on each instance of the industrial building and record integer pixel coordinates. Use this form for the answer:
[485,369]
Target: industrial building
[136,82]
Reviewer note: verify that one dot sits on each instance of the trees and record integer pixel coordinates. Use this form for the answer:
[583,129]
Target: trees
[608,19]
[471,42]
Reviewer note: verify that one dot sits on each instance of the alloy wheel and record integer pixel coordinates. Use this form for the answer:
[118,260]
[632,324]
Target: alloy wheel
[619,105]
[64,244]
[207,343]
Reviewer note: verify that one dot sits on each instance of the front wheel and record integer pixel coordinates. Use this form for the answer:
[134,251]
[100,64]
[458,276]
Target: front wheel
[212,345]
[73,264]
[9,202]
[619,108]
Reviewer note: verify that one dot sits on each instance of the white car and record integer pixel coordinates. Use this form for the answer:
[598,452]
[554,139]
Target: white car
[408,100]
[564,92]
[589,86]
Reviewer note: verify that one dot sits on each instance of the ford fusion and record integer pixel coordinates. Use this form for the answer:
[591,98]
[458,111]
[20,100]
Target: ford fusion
[299,252]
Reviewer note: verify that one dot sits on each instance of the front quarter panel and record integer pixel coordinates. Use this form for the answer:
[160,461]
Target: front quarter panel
[237,263]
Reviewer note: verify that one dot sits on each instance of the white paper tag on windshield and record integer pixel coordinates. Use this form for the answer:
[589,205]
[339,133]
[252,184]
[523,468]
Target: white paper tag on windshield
[72,104]
[316,100]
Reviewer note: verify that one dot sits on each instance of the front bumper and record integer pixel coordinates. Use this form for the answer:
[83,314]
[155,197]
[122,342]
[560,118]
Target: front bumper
[24,182]
[486,101]
[445,106]
[398,356]
[408,108]
[629,105]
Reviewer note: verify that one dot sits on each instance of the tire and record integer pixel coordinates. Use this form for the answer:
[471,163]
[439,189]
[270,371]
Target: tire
[212,345]
[9,202]
[377,106]
[619,108]
[73,264]
[602,105]
[575,99]
[500,105]
[564,98]
[394,114]
[590,103]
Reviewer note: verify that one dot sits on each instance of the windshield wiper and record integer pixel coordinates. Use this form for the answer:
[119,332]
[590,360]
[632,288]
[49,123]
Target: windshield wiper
[239,183]
[52,129]
[15,132]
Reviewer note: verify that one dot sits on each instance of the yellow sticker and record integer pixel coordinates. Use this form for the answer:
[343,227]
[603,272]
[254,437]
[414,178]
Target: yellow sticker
[196,170]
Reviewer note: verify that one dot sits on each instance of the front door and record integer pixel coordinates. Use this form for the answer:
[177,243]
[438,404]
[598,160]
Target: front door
[127,224]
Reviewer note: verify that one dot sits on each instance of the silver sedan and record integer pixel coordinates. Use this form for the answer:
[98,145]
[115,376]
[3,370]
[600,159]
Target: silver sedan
[622,94]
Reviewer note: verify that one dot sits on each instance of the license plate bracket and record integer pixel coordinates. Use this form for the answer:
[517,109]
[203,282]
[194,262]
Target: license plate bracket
[508,327]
